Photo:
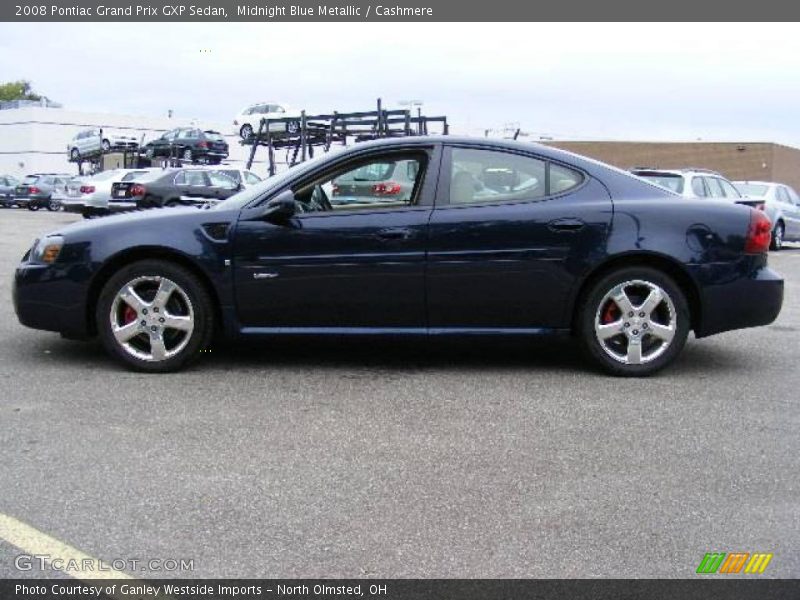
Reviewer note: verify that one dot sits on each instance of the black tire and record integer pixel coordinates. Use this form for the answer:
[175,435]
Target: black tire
[293,127]
[246,131]
[74,155]
[33,206]
[188,155]
[53,205]
[105,145]
[149,153]
[776,243]
[596,305]
[172,203]
[200,302]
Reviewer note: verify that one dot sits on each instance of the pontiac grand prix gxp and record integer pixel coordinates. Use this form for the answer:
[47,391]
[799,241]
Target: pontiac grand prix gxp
[496,237]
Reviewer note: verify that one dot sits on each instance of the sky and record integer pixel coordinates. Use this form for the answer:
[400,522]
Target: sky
[663,81]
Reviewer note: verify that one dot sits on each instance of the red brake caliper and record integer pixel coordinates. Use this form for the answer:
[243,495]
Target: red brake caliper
[611,313]
[128,315]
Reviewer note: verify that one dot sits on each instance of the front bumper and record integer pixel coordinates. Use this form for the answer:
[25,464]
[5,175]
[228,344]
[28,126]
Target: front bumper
[739,303]
[51,298]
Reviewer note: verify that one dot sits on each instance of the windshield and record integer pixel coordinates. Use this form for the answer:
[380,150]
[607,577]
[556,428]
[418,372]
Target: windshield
[752,189]
[262,188]
[673,183]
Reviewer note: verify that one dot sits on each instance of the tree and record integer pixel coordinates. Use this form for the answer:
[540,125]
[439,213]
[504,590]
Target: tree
[18,90]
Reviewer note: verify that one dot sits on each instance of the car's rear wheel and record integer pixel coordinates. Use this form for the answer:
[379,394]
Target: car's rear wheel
[53,205]
[155,316]
[33,206]
[777,237]
[634,321]
[149,153]
[74,154]
[246,131]
[106,146]
[187,154]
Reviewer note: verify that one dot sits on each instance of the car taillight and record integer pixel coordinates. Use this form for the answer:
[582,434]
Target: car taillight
[759,234]
[33,190]
[386,189]
[87,189]
[202,144]
[137,189]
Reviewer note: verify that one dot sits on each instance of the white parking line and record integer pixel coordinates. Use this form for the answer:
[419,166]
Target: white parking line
[75,563]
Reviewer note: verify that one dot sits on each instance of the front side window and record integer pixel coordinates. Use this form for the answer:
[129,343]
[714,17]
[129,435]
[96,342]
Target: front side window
[714,188]
[493,176]
[370,185]
[698,187]
[728,189]
[251,178]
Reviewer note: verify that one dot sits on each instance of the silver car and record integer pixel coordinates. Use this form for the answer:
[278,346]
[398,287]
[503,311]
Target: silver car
[89,196]
[90,142]
[782,205]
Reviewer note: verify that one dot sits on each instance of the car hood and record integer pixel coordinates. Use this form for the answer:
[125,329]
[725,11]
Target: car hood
[161,219]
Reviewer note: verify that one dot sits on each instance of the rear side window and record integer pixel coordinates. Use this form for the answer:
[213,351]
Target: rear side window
[673,182]
[783,195]
[479,176]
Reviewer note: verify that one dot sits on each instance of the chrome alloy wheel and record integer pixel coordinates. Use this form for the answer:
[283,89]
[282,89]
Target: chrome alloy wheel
[152,318]
[635,322]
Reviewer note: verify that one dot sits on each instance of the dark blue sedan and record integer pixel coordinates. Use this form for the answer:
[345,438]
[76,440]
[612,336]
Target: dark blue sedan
[496,237]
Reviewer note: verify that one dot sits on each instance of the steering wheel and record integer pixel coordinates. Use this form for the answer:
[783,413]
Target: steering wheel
[319,200]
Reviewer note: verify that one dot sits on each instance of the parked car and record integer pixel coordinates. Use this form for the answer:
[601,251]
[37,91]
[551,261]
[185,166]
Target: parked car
[190,144]
[35,191]
[8,184]
[567,245]
[174,187]
[246,123]
[243,176]
[390,182]
[782,205]
[89,196]
[90,142]
[696,183]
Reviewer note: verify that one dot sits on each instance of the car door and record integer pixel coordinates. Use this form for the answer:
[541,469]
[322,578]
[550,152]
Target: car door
[192,184]
[509,234]
[791,210]
[355,268]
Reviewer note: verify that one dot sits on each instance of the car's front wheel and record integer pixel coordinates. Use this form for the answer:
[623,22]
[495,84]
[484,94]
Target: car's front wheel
[777,237]
[246,131]
[634,321]
[155,316]
[74,154]
[187,155]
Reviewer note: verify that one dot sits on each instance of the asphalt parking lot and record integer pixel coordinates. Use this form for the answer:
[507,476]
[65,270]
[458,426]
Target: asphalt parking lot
[365,459]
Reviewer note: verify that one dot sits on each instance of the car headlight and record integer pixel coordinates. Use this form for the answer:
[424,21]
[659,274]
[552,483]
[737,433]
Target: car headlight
[46,250]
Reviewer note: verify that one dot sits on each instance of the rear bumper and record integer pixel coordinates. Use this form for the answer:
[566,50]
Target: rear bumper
[745,302]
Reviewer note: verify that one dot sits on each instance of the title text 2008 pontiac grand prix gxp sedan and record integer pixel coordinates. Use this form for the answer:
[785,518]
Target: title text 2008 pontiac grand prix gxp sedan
[425,236]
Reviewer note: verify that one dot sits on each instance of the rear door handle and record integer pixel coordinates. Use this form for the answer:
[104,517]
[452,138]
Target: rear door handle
[394,233]
[565,225]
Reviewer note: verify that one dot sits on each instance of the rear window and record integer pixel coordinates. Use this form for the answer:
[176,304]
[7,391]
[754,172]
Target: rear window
[134,175]
[672,182]
[372,172]
[214,136]
[30,179]
[752,189]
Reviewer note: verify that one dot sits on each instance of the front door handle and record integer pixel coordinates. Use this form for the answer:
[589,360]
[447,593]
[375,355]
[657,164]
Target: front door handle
[566,225]
[394,233]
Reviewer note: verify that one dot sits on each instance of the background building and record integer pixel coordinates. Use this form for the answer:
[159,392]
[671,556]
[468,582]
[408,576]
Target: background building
[760,161]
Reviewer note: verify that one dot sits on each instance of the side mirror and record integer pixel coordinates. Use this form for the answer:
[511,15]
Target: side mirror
[281,207]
